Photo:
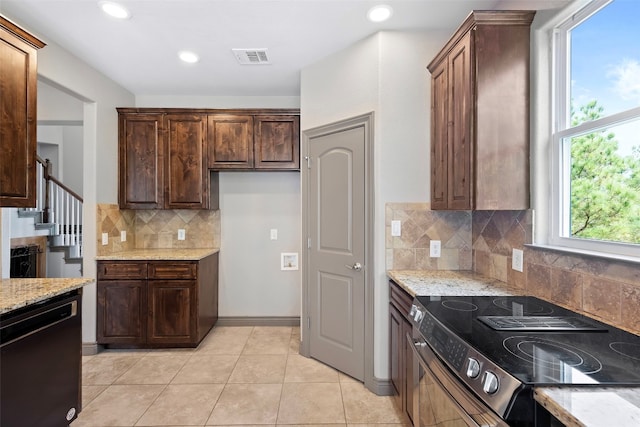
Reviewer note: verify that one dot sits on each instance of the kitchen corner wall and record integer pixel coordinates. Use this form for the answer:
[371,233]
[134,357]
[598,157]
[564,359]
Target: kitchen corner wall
[156,229]
[606,289]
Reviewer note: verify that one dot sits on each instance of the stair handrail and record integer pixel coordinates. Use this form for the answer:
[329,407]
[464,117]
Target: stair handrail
[47,177]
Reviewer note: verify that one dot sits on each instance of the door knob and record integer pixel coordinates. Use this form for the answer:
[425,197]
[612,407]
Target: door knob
[356,267]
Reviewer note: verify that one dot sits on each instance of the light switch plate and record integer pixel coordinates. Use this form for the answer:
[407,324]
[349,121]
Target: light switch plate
[105,239]
[274,234]
[181,234]
[396,228]
[517,260]
[123,235]
[434,249]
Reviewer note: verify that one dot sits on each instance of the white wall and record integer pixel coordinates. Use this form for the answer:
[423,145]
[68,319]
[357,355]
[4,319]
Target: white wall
[385,73]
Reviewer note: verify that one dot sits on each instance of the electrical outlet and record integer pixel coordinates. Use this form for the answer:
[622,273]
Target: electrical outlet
[105,239]
[517,260]
[274,234]
[181,234]
[396,228]
[123,235]
[434,249]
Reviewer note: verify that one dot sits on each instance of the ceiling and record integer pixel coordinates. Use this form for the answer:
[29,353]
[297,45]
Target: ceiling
[141,53]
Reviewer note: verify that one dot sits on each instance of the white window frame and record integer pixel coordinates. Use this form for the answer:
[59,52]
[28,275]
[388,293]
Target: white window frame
[559,217]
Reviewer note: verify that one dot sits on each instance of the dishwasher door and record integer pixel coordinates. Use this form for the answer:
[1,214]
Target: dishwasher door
[40,363]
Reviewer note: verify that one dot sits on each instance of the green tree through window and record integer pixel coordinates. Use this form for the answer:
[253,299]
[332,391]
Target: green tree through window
[605,184]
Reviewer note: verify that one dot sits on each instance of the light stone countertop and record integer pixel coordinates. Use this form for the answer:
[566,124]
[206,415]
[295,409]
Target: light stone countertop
[159,255]
[18,293]
[592,407]
[449,283]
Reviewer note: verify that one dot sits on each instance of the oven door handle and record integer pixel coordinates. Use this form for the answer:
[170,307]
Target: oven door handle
[475,413]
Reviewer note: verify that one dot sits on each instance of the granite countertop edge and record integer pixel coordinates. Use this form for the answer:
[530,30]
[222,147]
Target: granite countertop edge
[573,406]
[192,254]
[449,283]
[585,406]
[19,293]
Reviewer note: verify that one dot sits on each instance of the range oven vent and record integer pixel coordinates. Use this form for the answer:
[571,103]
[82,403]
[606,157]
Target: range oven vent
[251,56]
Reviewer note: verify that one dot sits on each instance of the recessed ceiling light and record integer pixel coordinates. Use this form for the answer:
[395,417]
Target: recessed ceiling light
[379,13]
[114,9]
[188,56]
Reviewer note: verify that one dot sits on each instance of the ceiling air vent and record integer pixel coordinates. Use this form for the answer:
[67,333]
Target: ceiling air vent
[251,56]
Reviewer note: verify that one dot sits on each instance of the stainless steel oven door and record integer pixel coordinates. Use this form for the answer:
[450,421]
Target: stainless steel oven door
[439,399]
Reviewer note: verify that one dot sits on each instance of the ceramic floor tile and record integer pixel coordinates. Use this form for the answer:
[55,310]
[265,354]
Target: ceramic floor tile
[154,370]
[223,343]
[105,368]
[90,392]
[204,368]
[182,404]
[363,407]
[294,345]
[118,405]
[302,369]
[244,331]
[259,368]
[344,378]
[247,404]
[316,403]
[268,340]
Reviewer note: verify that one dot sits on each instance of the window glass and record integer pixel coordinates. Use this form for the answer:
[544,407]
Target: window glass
[605,58]
[598,136]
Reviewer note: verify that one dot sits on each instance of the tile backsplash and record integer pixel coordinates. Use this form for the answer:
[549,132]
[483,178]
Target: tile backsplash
[148,229]
[606,289]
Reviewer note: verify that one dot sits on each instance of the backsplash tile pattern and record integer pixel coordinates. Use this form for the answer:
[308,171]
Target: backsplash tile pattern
[156,229]
[608,290]
[420,225]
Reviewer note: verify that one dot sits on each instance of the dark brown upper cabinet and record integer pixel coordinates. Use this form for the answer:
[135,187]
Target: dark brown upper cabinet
[18,84]
[162,161]
[230,141]
[480,114]
[258,140]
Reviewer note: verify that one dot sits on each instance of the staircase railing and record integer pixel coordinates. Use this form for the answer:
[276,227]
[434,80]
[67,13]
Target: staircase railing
[60,206]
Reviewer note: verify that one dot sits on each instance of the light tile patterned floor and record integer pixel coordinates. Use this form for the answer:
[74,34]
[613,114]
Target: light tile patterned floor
[237,376]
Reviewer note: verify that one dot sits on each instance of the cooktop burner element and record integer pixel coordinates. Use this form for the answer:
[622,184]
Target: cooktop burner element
[524,306]
[626,349]
[551,359]
[459,305]
[538,323]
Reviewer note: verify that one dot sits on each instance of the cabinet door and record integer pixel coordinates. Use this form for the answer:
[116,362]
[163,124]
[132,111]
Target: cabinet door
[459,135]
[141,153]
[187,183]
[230,141]
[277,142]
[172,312]
[18,63]
[439,129]
[397,356]
[121,311]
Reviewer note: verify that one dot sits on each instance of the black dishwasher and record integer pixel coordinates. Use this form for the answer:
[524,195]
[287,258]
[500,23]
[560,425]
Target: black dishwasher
[40,363]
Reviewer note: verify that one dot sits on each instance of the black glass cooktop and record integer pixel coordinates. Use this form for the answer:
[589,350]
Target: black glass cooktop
[597,355]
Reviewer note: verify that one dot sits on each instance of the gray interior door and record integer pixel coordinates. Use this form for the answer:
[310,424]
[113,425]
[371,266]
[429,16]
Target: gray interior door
[336,194]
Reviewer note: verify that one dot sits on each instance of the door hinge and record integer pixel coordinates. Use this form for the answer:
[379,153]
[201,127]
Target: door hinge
[308,242]
[308,322]
[308,159]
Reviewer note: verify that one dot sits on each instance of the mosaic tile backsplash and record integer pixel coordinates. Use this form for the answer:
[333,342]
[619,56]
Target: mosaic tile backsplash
[608,290]
[156,229]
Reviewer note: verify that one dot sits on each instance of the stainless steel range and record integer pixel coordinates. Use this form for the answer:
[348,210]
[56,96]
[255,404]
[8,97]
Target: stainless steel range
[477,359]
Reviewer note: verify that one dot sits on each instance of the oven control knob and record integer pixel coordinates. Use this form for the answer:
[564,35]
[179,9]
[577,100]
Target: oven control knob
[418,316]
[490,382]
[473,368]
[413,310]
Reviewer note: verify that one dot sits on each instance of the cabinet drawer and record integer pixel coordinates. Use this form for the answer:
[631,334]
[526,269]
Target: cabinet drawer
[172,270]
[122,270]
[400,298]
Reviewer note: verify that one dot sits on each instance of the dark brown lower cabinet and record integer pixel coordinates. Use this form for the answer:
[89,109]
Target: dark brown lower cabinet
[156,303]
[400,355]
